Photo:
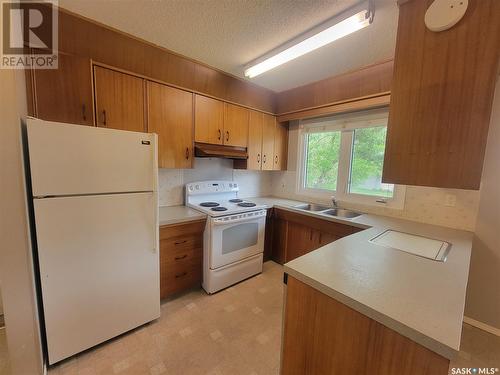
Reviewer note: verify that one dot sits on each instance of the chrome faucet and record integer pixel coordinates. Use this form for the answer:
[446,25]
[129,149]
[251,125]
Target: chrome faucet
[334,203]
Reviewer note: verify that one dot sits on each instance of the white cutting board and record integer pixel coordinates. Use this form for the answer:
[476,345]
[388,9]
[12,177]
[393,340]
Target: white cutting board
[417,245]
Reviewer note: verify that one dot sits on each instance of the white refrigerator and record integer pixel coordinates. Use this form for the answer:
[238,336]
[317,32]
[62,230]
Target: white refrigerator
[95,205]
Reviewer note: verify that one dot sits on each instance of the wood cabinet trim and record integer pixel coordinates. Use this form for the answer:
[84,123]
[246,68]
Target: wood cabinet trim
[344,106]
[148,78]
[82,36]
[369,80]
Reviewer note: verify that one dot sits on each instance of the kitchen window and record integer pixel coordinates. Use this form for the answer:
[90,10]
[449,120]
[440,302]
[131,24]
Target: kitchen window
[343,156]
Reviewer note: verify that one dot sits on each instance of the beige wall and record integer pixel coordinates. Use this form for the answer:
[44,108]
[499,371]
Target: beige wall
[423,204]
[172,181]
[21,316]
[483,295]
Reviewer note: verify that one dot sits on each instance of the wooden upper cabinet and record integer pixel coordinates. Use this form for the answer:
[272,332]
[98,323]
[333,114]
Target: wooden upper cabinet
[441,97]
[209,120]
[64,94]
[235,125]
[280,146]
[255,140]
[120,100]
[170,115]
[268,129]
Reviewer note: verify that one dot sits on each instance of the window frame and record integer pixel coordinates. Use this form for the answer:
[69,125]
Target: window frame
[346,124]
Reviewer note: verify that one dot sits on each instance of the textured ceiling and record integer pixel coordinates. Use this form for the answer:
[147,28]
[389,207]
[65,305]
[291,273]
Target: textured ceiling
[228,34]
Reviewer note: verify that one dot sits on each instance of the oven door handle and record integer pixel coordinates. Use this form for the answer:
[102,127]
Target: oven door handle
[234,221]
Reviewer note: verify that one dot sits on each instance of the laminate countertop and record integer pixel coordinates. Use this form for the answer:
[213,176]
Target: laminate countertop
[179,214]
[419,298]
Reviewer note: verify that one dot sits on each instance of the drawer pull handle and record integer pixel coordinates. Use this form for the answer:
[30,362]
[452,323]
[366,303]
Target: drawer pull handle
[220,135]
[180,242]
[182,257]
[227,136]
[181,275]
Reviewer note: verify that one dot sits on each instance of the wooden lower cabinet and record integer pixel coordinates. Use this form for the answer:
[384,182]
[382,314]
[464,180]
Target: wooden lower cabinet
[295,234]
[300,240]
[324,336]
[181,257]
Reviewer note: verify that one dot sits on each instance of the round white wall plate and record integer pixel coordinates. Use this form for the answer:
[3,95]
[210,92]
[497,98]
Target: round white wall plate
[444,14]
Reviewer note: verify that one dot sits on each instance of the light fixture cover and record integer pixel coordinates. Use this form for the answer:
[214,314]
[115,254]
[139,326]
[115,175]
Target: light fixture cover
[444,14]
[327,36]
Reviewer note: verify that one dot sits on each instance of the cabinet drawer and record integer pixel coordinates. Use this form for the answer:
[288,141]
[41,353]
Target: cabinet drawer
[181,248]
[182,230]
[181,275]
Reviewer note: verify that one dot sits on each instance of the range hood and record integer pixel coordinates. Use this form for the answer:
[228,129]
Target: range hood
[205,150]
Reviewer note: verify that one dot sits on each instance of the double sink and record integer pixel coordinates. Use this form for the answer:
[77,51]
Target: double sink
[325,210]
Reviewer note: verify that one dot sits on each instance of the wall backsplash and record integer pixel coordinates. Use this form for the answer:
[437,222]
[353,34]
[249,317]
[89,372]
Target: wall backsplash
[171,181]
[423,204]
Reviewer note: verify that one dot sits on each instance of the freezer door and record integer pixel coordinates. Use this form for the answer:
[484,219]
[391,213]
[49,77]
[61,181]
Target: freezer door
[70,159]
[99,268]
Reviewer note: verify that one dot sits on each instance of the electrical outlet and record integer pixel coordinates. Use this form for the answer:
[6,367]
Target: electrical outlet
[450,200]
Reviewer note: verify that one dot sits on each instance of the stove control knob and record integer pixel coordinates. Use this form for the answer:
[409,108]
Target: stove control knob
[190,187]
[197,187]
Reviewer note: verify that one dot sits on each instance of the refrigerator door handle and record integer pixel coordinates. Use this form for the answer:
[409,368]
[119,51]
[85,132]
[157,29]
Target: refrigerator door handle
[156,227]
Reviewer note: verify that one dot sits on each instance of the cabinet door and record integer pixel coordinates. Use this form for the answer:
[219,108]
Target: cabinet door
[209,120]
[300,240]
[441,97]
[325,238]
[119,100]
[255,140]
[65,94]
[279,233]
[280,146]
[235,125]
[268,129]
[170,115]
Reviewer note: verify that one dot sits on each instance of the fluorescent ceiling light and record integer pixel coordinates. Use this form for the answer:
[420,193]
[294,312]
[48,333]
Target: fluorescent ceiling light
[337,31]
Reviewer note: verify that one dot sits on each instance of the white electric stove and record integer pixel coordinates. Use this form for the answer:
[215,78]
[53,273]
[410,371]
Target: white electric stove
[233,243]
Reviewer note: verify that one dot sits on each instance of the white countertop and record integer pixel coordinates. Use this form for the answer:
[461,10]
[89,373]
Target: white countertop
[179,214]
[419,298]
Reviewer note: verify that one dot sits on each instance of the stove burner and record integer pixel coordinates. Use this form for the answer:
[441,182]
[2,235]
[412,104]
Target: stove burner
[219,209]
[247,204]
[236,200]
[209,204]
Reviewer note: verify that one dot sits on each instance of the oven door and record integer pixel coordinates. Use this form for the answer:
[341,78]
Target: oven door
[236,237]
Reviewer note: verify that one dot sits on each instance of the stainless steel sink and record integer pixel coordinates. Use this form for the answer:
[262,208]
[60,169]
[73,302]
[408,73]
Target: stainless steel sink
[340,212]
[312,207]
